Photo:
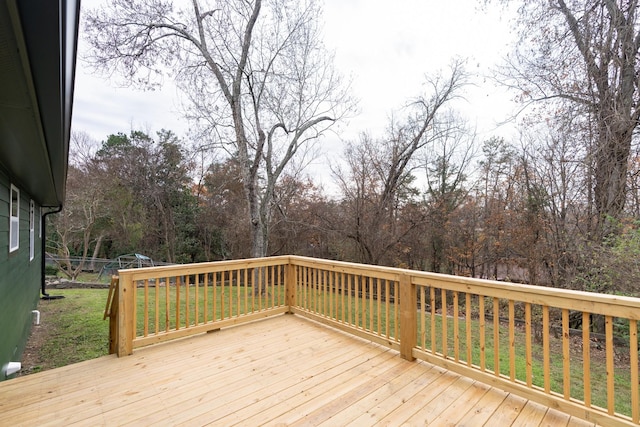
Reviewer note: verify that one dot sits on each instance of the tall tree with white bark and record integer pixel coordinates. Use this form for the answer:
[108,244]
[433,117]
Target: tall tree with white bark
[258,80]
[584,56]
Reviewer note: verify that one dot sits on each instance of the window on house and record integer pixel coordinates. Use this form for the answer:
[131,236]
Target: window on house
[32,230]
[14,221]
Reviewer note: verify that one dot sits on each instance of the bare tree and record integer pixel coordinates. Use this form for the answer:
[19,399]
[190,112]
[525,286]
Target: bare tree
[74,228]
[257,77]
[378,181]
[447,165]
[585,54]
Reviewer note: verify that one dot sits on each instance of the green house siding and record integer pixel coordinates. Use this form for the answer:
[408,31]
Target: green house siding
[20,277]
[38,44]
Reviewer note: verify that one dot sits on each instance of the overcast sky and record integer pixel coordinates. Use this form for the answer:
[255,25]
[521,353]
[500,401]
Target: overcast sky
[386,46]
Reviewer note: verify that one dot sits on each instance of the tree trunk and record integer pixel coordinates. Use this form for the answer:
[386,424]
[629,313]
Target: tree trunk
[610,190]
[96,252]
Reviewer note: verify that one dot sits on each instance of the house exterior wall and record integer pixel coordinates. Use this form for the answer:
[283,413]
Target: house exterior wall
[20,277]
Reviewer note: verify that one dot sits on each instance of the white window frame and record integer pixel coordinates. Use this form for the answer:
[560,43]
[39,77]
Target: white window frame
[32,230]
[40,221]
[14,220]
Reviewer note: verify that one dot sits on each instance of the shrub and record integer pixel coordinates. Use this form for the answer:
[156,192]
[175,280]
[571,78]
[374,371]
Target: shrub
[51,270]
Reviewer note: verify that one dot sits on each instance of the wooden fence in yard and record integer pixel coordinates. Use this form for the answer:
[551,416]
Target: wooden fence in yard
[572,351]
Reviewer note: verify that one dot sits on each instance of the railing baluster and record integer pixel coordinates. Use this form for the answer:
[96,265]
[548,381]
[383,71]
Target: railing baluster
[445,339]
[167,303]
[396,311]
[319,295]
[633,361]
[274,279]
[379,305]
[260,296]
[255,285]
[423,316]
[387,307]
[302,294]
[305,285]
[527,345]
[313,300]
[566,369]
[432,301]
[317,284]
[146,307]
[177,302]
[362,301]
[312,291]
[299,286]
[279,286]
[586,358]
[274,284]
[309,284]
[336,293]
[326,295]
[482,332]
[239,289]
[215,297]
[187,301]
[467,316]
[135,309]
[496,337]
[340,278]
[224,284]
[512,341]
[608,328]
[317,306]
[370,296]
[238,295]
[332,295]
[305,288]
[205,309]
[546,349]
[356,297]
[196,291]
[456,328]
[349,299]
[157,314]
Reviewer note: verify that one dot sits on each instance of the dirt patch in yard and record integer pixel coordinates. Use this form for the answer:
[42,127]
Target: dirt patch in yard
[72,329]
[33,359]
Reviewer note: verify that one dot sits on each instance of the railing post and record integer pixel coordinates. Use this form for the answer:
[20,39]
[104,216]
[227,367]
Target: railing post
[126,326]
[290,286]
[408,309]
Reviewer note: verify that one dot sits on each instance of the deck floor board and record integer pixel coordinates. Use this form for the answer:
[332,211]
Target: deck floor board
[280,371]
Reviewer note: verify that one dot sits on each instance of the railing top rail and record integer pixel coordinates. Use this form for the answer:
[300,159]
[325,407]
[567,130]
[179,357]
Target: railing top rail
[389,273]
[561,298]
[201,268]
[557,297]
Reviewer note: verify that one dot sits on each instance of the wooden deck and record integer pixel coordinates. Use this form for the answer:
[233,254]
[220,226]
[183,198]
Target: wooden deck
[281,371]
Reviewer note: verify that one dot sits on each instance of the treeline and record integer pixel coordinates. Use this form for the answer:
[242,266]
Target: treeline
[558,204]
[497,211]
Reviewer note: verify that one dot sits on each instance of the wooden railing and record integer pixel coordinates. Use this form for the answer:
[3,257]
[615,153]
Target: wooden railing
[156,304]
[573,351]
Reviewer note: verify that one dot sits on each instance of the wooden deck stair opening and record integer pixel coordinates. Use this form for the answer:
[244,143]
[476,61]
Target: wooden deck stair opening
[575,352]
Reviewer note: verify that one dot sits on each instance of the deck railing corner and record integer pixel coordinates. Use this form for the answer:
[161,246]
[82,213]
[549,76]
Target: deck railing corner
[529,340]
